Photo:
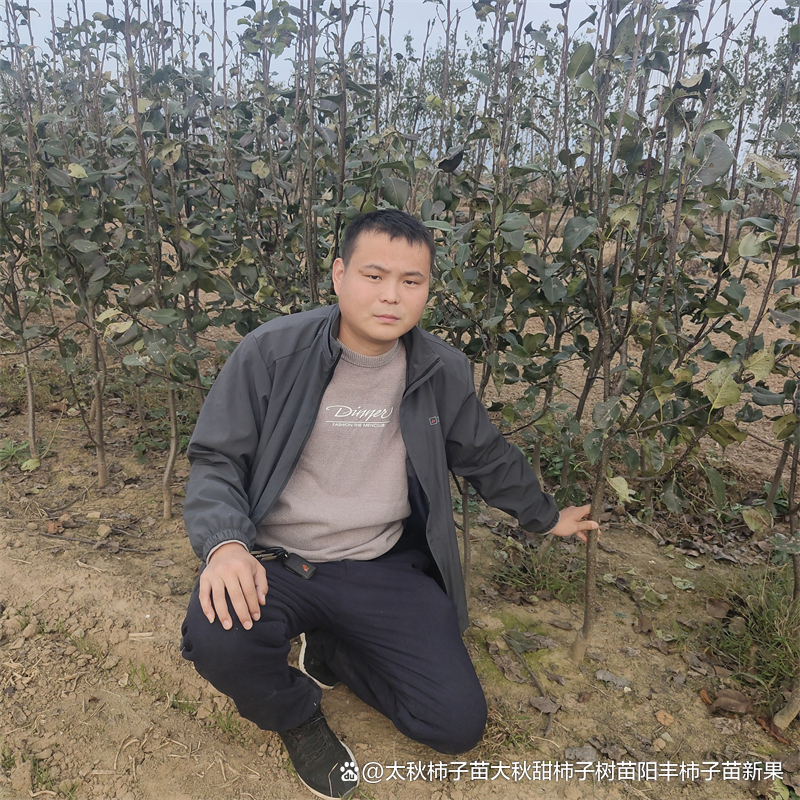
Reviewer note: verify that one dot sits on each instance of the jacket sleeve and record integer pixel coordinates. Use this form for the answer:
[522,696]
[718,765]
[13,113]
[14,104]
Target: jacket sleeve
[498,470]
[222,451]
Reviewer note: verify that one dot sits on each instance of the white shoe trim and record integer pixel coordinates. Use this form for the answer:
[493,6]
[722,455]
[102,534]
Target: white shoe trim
[301,665]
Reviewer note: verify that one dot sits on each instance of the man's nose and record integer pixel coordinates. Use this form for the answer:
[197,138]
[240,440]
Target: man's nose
[390,292]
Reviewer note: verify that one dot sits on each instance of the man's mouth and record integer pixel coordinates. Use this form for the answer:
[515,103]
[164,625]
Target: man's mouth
[387,318]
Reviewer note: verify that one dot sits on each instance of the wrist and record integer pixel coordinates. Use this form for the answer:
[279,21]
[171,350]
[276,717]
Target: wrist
[227,546]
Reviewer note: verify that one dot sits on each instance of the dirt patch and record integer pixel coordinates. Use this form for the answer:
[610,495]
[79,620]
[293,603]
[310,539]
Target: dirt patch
[96,701]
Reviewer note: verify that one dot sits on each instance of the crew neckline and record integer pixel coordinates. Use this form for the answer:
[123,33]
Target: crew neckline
[360,360]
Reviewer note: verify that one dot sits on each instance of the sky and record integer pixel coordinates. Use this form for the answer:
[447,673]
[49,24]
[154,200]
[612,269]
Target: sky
[410,16]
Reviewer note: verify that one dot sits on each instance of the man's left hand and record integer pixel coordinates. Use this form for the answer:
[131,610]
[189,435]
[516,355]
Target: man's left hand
[573,521]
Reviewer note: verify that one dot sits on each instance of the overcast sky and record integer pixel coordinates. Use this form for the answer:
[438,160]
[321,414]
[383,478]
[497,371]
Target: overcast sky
[410,16]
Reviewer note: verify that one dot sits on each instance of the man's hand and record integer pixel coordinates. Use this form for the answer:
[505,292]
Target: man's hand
[573,521]
[233,569]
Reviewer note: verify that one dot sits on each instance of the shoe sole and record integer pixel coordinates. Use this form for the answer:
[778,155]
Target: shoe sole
[301,665]
[330,796]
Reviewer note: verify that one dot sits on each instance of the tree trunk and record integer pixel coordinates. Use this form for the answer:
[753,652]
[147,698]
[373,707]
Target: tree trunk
[173,454]
[98,388]
[33,446]
[585,633]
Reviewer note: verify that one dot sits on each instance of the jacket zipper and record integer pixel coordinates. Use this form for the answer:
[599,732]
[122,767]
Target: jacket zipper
[421,378]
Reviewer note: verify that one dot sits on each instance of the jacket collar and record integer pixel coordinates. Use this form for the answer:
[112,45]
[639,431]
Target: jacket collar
[420,356]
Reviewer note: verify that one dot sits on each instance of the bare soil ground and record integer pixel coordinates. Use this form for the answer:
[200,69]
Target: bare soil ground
[96,701]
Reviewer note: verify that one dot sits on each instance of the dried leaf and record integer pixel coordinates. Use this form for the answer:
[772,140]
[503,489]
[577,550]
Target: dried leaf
[644,625]
[687,623]
[560,623]
[716,608]
[609,677]
[509,667]
[584,697]
[727,727]
[545,705]
[587,753]
[772,729]
[658,644]
[163,562]
[518,641]
[697,664]
[733,701]
[704,697]
[542,641]
[559,679]
[665,718]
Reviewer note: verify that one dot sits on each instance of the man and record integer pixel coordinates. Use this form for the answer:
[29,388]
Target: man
[323,450]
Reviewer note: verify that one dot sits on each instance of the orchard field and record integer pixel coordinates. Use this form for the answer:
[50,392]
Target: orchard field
[614,201]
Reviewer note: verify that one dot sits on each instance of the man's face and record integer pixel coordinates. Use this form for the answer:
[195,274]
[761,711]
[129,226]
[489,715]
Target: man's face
[382,293]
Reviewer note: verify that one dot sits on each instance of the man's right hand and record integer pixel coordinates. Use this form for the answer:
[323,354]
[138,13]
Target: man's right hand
[233,569]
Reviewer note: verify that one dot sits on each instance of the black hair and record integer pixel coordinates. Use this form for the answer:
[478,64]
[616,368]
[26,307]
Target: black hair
[394,224]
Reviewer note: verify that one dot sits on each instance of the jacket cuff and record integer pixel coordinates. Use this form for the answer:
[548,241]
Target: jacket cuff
[222,544]
[223,537]
[547,528]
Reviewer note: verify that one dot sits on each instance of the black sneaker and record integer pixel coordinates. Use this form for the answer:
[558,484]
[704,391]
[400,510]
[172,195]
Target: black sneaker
[322,762]
[312,663]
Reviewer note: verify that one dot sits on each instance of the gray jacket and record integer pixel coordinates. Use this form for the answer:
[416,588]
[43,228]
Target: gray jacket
[261,410]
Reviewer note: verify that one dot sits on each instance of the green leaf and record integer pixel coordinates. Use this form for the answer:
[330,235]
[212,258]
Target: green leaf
[514,239]
[682,583]
[785,426]
[720,126]
[30,465]
[659,60]
[604,415]
[758,519]
[770,167]
[481,76]
[715,158]
[84,245]
[750,245]
[259,169]
[721,389]
[143,104]
[671,500]
[761,364]
[438,224]
[626,214]
[581,60]
[725,433]
[717,484]
[761,223]
[165,316]
[577,231]
[764,397]
[593,445]
[59,177]
[620,486]
[76,171]
[396,191]
[520,284]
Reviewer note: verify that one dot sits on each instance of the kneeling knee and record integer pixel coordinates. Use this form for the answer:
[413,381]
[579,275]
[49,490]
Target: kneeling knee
[463,728]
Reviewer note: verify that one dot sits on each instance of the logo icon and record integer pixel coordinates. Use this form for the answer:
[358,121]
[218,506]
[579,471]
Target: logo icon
[433,420]
[349,771]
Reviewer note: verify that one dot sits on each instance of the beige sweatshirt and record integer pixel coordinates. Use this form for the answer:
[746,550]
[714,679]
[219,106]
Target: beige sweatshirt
[348,495]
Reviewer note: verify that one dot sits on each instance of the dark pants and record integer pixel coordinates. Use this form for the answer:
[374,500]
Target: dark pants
[389,632]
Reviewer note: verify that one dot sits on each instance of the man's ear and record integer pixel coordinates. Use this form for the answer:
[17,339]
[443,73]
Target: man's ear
[337,272]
